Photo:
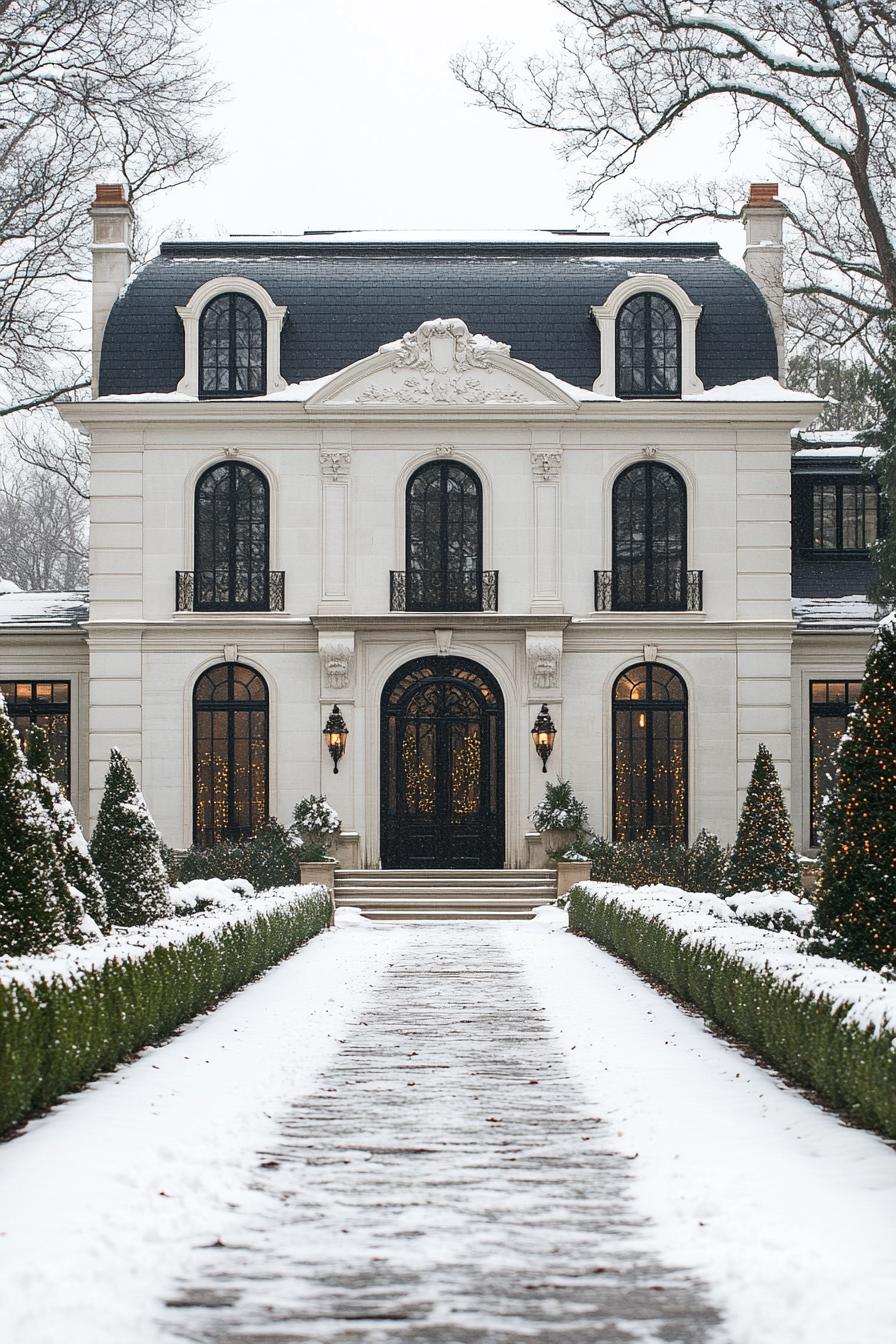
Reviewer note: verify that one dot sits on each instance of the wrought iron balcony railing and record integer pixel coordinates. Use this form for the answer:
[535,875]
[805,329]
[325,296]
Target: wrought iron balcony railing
[203,590]
[678,597]
[412,592]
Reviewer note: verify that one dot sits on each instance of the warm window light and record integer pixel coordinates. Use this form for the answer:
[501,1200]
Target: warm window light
[543,734]
[336,734]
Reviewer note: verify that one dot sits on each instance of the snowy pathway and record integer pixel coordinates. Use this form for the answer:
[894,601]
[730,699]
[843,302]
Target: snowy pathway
[444,1182]
[435,1134]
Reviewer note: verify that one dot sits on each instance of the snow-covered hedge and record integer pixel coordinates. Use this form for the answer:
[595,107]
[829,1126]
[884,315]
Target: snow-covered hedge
[67,1016]
[826,1024]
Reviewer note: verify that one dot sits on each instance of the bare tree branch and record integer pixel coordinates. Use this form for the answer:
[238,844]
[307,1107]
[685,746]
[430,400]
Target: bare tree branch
[819,75]
[89,90]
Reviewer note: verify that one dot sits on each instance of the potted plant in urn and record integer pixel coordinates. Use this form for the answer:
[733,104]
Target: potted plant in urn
[561,819]
[314,826]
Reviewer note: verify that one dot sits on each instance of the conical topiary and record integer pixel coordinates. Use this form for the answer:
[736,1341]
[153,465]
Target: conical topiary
[763,857]
[33,889]
[857,887]
[80,870]
[127,850]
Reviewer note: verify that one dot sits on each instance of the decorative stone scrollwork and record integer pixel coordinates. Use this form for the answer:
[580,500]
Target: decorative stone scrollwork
[544,665]
[649,450]
[441,355]
[335,463]
[444,449]
[337,661]
[546,463]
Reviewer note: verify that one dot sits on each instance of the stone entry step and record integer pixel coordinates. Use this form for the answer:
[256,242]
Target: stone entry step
[416,893]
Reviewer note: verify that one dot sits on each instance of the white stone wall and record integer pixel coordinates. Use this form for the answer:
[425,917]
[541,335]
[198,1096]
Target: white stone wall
[337,483]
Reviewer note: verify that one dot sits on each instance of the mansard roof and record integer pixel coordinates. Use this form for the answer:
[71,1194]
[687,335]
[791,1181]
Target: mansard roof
[348,295]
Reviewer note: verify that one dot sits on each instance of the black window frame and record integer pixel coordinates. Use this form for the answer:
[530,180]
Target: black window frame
[650,707]
[838,483]
[672,598]
[231,706]
[201,541]
[450,595]
[826,709]
[34,709]
[232,391]
[648,298]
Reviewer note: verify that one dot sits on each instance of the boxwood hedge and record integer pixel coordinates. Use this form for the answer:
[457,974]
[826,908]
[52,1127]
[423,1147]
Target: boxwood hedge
[59,1030]
[806,1037]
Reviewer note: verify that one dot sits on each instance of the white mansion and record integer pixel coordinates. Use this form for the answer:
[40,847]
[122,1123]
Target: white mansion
[314,483]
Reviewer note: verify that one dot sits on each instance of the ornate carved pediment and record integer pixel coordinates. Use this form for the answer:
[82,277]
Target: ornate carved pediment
[441,363]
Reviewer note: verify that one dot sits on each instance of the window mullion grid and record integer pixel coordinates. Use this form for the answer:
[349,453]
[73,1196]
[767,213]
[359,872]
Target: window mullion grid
[650,601]
[648,753]
[443,537]
[231,695]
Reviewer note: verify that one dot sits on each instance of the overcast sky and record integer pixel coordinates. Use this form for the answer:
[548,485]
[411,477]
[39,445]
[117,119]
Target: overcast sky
[345,114]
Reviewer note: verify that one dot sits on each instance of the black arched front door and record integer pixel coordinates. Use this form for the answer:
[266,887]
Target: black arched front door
[442,800]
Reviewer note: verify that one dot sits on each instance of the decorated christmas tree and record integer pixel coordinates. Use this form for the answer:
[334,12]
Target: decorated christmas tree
[857,888]
[127,850]
[80,871]
[33,889]
[763,857]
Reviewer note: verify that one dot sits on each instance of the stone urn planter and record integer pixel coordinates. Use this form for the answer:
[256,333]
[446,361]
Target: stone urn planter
[557,842]
[321,872]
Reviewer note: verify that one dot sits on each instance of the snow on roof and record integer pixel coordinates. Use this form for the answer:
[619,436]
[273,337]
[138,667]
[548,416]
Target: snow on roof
[819,444]
[753,389]
[65,610]
[835,613]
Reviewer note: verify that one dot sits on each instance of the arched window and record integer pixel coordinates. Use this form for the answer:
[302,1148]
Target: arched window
[648,348]
[444,539]
[232,333]
[650,754]
[231,539]
[230,754]
[649,539]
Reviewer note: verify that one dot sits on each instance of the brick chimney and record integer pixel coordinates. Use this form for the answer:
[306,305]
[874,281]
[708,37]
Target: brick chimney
[113,237]
[763,217]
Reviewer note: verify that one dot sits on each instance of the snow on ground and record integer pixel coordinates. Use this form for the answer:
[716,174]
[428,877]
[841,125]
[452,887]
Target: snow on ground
[788,1214]
[100,1198]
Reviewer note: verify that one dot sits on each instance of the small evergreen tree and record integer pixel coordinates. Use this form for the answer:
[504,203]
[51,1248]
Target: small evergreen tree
[857,886]
[763,857]
[86,888]
[33,889]
[883,438]
[127,850]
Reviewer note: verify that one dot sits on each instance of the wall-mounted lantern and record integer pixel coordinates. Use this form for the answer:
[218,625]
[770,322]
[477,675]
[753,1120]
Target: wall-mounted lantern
[543,734]
[336,733]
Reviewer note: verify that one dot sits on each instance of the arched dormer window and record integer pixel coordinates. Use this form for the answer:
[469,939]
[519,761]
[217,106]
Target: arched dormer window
[443,538]
[649,539]
[231,348]
[648,339]
[231,539]
[230,754]
[231,340]
[648,348]
[650,754]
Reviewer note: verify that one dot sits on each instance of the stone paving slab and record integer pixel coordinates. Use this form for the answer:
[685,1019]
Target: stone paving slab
[444,1183]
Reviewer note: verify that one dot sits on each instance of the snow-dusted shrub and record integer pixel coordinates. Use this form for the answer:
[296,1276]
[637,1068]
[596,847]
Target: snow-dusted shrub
[86,895]
[34,894]
[779,910]
[268,859]
[827,1024]
[650,860]
[66,1017]
[209,894]
[127,850]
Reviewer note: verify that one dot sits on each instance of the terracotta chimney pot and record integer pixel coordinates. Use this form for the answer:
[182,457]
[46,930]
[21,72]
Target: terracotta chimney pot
[110,193]
[763,193]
